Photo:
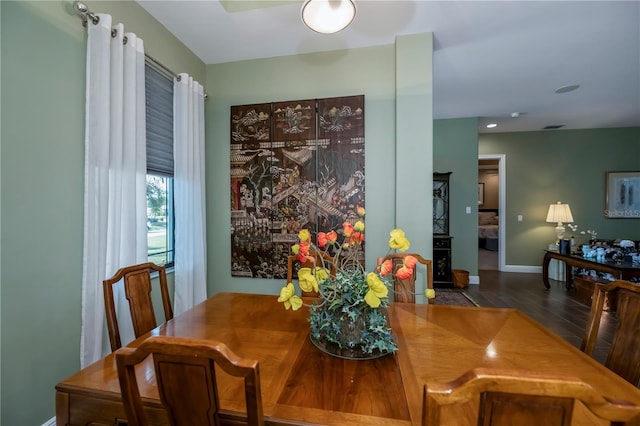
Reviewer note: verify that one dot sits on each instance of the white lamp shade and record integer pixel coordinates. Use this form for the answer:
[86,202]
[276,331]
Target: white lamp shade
[328,16]
[559,213]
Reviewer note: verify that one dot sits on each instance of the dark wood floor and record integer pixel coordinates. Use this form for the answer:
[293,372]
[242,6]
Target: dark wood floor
[556,308]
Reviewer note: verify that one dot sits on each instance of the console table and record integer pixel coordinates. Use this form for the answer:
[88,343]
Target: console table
[622,271]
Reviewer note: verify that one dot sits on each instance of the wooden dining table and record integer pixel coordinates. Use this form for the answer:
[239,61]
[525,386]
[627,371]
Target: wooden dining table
[303,385]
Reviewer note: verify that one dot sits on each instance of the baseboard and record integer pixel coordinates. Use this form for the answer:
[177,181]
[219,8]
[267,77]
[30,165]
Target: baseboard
[50,422]
[523,269]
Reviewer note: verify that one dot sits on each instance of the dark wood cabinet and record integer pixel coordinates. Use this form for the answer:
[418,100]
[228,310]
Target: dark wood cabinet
[441,203]
[442,261]
[441,238]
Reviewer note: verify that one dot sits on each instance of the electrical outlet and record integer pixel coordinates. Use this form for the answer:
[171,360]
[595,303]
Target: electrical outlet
[519,218]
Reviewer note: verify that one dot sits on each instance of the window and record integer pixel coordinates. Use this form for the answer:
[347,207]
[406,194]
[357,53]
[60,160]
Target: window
[159,115]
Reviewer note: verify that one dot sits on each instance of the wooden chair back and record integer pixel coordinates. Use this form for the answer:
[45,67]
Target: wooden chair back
[523,399]
[186,379]
[624,354]
[137,289]
[405,289]
[320,256]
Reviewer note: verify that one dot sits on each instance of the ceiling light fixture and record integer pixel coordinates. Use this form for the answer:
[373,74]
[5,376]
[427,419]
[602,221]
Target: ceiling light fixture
[328,16]
[491,125]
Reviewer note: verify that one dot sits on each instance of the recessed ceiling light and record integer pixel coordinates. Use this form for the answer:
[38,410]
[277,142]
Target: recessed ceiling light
[569,88]
[491,125]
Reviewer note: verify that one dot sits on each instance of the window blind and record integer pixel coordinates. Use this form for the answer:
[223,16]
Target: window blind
[159,100]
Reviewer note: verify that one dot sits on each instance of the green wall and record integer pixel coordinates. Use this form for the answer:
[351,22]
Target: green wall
[455,149]
[562,165]
[368,71]
[414,163]
[42,135]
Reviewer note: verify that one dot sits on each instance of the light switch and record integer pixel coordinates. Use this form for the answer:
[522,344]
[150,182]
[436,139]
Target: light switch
[519,218]
[468,210]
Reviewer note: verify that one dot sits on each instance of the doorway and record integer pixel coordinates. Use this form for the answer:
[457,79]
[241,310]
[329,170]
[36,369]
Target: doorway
[491,211]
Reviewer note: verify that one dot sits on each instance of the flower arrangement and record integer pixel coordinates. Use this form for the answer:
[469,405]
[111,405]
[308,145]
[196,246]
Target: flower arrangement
[347,319]
[573,228]
[591,232]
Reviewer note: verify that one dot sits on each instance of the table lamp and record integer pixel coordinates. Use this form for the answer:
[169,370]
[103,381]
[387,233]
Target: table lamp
[559,213]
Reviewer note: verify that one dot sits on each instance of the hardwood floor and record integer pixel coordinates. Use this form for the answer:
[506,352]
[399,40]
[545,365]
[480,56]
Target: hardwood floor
[487,259]
[556,308]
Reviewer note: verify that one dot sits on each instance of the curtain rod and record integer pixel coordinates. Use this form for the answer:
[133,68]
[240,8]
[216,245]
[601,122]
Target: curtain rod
[82,9]
[162,67]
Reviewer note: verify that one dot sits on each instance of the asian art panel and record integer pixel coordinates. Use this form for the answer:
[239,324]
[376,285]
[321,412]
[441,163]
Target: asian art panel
[294,165]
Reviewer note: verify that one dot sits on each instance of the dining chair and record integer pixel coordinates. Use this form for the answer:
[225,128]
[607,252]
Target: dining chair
[321,258]
[137,290]
[624,353]
[405,289]
[521,398]
[186,380]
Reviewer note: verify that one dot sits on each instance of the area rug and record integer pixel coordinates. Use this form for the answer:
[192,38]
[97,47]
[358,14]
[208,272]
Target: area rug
[453,297]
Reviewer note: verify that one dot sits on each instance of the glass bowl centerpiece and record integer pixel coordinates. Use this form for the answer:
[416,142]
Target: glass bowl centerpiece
[348,317]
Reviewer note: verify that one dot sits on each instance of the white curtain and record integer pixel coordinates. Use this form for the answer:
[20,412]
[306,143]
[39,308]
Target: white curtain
[115,176]
[189,194]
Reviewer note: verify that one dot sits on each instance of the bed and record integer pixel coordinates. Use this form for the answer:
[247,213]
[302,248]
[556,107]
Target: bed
[488,230]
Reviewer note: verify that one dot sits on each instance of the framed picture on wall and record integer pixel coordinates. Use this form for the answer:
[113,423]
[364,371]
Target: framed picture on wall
[622,195]
[480,193]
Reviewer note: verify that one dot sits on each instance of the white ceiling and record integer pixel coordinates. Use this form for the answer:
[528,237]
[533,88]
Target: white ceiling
[491,58]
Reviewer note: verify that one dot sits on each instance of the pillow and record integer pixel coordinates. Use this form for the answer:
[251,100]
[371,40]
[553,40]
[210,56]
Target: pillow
[486,218]
[494,221]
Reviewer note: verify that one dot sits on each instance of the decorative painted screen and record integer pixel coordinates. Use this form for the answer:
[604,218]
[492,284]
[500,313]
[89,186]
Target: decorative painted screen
[294,165]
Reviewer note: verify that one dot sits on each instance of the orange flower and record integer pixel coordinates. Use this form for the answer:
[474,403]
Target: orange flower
[304,248]
[409,261]
[356,238]
[347,229]
[403,273]
[322,239]
[332,236]
[303,252]
[385,267]
[360,211]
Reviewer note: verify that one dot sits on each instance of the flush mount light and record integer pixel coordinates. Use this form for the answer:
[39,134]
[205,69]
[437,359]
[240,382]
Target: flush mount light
[569,88]
[328,16]
[491,125]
